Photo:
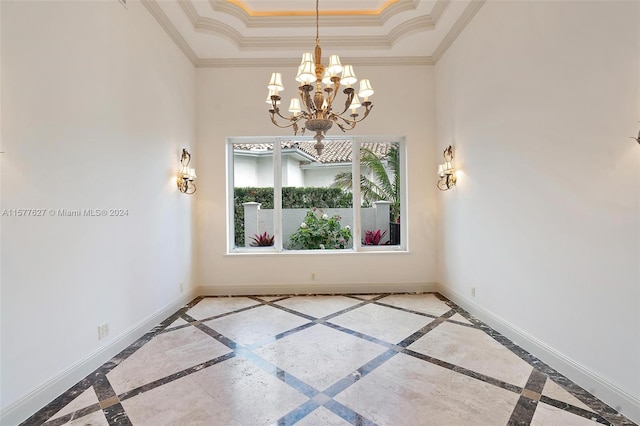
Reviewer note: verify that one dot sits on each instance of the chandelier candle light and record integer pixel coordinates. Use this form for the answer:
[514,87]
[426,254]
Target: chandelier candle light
[316,109]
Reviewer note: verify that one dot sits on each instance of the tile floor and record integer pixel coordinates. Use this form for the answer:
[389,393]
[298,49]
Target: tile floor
[387,359]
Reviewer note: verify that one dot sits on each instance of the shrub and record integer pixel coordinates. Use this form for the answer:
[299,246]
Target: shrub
[264,240]
[319,231]
[292,198]
[373,238]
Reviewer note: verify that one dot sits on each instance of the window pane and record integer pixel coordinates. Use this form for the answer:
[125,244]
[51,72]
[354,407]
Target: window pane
[316,214]
[380,193]
[253,194]
[284,195]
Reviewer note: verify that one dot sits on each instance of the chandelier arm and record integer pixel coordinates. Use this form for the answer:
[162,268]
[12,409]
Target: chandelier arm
[351,122]
[307,101]
[334,92]
[292,123]
[347,103]
[292,119]
[343,127]
[275,110]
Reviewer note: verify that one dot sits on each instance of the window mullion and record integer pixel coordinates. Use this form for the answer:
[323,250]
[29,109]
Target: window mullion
[230,198]
[404,199]
[277,194]
[355,182]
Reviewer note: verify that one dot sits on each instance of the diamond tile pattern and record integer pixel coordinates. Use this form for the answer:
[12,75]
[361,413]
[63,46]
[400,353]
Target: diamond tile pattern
[209,307]
[318,306]
[85,399]
[386,359]
[167,354]
[256,325]
[488,356]
[553,390]
[408,391]
[425,303]
[320,355]
[548,415]
[390,325]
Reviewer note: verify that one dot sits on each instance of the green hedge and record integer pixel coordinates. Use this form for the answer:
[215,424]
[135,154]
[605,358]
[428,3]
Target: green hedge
[292,198]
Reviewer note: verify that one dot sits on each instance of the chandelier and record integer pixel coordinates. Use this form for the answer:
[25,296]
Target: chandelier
[314,107]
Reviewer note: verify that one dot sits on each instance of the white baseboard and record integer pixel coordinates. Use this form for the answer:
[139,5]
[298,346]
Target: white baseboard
[623,402]
[39,397]
[285,289]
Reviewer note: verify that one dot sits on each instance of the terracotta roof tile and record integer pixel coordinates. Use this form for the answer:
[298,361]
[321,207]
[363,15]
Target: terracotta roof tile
[335,151]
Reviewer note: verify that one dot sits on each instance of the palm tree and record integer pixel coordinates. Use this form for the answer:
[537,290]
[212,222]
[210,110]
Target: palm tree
[382,186]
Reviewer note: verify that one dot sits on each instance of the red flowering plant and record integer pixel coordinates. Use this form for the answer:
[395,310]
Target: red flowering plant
[262,240]
[373,238]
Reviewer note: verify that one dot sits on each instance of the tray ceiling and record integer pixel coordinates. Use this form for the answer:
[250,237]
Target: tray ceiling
[215,33]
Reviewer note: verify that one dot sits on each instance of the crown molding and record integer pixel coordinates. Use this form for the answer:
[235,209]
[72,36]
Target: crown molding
[307,43]
[421,23]
[296,12]
[250,21]
[464,19]
[438,9]
[293,62]
[216,27]
[412,26]
[164,21]
[190,11]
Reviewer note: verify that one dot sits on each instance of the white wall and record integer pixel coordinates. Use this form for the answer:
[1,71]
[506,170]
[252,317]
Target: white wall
[291,167]
[404,105]
[245,171]
[539,100]
[322,176]
[265,171]
[97,103]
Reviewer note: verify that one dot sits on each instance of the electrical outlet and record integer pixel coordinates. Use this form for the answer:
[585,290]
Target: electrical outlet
[313,276]
[473,292]
[103,330]
[181,287]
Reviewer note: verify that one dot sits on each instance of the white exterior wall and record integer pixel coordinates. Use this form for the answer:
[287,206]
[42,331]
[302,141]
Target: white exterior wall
[294,175]
[265,172]
[245,171]
[323,176]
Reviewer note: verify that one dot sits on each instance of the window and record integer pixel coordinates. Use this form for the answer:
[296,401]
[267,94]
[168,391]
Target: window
[284,197]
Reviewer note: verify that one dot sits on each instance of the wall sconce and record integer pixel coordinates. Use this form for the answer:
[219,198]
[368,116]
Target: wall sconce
[446,172]
[187,174]
[637,139]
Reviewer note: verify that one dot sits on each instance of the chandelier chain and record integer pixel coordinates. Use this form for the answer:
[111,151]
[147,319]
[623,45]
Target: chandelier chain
[317,23]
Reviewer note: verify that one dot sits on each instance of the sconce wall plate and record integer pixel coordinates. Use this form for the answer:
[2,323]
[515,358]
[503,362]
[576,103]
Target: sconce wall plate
[187,174]
[446,171]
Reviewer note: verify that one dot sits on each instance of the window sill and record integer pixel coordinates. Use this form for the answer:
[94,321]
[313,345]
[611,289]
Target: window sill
[345,252]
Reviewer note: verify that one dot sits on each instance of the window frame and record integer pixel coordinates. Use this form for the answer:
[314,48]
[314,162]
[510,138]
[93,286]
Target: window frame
[277,248]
